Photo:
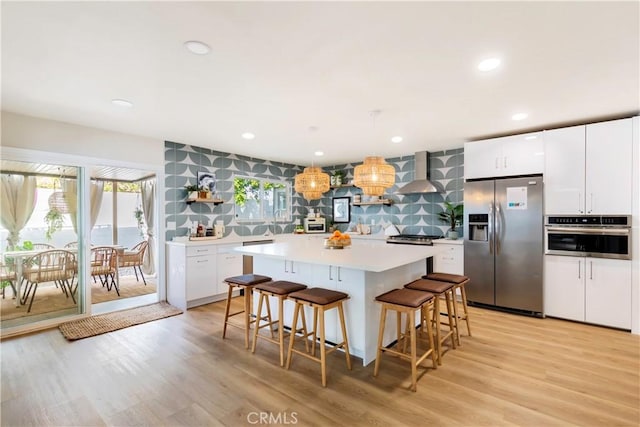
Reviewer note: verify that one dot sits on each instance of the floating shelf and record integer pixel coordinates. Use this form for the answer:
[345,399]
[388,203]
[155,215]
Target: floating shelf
[333,187]
[214,201]
[386,202]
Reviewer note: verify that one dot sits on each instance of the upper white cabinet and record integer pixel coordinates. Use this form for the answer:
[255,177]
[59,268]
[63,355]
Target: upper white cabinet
[588,169]
[506,156]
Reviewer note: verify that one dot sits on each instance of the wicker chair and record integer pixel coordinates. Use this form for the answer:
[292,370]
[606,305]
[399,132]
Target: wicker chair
[7,274]
[49,266]
[134,258]
[103,266]
[42,246]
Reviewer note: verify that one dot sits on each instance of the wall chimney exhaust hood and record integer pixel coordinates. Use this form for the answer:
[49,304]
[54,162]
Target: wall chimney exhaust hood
[421,183]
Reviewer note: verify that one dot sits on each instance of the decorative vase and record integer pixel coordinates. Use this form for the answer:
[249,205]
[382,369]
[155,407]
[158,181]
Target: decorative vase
[452,235]
[338,180]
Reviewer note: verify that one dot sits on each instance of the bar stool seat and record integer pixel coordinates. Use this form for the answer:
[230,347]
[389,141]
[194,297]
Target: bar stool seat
[459,282]
[407,301]
[245,282]
[439,289]
[279,289]
[321,300]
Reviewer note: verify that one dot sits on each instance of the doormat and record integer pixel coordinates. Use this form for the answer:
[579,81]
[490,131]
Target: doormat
[103,323]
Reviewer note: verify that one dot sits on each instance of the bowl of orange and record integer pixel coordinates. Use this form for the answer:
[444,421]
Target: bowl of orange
[338,240]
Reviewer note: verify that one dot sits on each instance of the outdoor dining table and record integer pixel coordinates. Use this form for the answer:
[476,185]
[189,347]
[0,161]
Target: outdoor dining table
[20,256]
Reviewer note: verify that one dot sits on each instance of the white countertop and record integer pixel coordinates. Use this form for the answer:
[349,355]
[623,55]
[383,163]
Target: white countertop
[361,255]
[448,242]
[229,240]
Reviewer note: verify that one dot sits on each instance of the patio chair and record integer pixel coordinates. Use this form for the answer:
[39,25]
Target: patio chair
[42,246]
[7,275]
[134,258]
[103,266]
[49,266]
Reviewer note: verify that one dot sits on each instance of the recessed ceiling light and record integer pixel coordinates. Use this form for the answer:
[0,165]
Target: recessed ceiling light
[122,103]
[519,116]
[319,153]
[489,64]
[199,48]
[248,135]
[396,139]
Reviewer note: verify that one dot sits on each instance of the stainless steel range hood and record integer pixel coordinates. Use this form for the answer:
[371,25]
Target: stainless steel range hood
[421,183]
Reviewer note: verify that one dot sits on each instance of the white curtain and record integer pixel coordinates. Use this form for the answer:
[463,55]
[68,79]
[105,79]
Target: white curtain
[148,192]
[70,189]
[17,201]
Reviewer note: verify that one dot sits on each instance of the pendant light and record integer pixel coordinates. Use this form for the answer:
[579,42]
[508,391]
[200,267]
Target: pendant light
[58,199]
[375,175]
[312,182]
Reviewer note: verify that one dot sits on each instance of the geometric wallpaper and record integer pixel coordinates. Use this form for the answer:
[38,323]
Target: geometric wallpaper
[412,214]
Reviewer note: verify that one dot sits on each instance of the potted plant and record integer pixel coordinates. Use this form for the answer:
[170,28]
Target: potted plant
[204,193]
[452,215]
[192,191]
[55,221]
[339,177]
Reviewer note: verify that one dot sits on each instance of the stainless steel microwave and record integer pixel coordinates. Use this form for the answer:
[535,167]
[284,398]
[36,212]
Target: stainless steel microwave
[589,236]
[314,225]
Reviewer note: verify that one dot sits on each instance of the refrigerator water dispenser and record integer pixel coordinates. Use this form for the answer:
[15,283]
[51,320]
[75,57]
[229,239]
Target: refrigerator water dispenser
[479,227]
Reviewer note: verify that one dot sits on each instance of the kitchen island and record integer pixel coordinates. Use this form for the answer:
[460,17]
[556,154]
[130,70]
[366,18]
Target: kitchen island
[362,270]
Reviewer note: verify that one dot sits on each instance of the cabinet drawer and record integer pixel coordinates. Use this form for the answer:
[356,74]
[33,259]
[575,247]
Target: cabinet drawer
[201,250]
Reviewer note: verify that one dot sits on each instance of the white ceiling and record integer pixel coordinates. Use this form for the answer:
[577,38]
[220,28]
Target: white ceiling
[276,69]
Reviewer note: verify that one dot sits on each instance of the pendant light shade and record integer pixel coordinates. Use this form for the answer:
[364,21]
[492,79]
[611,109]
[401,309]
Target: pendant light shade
[312,182]
[374,176]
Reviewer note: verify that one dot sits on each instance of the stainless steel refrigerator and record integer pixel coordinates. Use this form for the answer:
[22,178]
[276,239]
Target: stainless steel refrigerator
[503,245]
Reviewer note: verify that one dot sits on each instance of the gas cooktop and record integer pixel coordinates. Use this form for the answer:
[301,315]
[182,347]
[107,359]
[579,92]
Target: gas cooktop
[412,239]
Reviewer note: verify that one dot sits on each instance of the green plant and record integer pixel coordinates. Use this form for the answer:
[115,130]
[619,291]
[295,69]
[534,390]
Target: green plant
[452,214]
[191,187]
[55,221]
[138,214]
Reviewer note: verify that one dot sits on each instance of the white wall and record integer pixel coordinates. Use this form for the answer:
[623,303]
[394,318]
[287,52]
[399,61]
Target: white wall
[33,133]
[635,230]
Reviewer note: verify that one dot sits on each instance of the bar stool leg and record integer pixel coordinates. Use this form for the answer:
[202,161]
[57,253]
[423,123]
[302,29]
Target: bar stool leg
[293,334]
[344,336]
[281,329]
[247,316]
[428,315]
[323,349]
[257,327]
[414,366]
[383,319]
[453,326]
[436,319]
[226,311]
[463,294]
[315,330]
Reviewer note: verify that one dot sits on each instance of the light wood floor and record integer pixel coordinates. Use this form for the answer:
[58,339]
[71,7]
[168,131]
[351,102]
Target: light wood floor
[178,371]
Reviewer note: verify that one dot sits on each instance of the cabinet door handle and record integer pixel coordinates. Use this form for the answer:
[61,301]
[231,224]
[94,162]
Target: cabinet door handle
[292,272]
[330,277]
[579,268]
[339,279]
[285,266]
[590,202]
[591,270]
[497,164]
[580,203]
[505,162]
[202,260]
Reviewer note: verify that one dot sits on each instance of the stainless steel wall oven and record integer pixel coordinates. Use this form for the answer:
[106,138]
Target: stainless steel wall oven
[590,236]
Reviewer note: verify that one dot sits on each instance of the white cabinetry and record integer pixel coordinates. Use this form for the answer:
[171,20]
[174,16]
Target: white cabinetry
[506,156]
[588,169]
[194,273]
[229,264]
[593,290]
[450,259]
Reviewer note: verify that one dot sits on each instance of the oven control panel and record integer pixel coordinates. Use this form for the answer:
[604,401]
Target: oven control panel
[590,220]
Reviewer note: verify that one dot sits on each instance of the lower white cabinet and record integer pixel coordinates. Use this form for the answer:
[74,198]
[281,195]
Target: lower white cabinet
[195,274]
[450,259]
[593,290]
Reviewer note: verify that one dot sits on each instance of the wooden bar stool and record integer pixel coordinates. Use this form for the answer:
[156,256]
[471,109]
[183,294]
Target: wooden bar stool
[245,282]
[279,289]
[439,289]
[458,283]
[321,300]
[407,301]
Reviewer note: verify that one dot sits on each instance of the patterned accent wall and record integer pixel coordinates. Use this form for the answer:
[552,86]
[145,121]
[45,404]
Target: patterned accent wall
[182,163]
[412,214]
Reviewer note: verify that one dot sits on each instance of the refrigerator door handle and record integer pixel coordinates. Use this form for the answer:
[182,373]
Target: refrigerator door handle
[490,225]
[498,228]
